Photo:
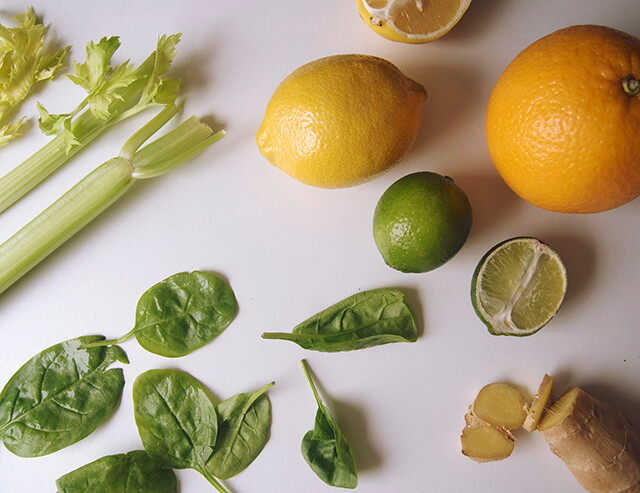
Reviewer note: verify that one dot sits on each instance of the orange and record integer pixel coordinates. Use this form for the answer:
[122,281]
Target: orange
[412,21]
[563,121]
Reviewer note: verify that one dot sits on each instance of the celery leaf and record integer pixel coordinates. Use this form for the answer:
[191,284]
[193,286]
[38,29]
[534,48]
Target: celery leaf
[23,63]
[50,124]
[10,131]
[70,139]
[90,74]
[50,64]
[160,89]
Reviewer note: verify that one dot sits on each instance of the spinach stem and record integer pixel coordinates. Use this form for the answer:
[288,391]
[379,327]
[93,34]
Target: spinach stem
[214,482]
[264,388]
[110,342]
[307,373]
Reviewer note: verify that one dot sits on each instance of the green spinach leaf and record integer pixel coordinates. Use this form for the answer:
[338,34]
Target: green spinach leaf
[243,431]
[182,313]
[134,472]
[60,396]
[326,449]
[366,319]
[176,420]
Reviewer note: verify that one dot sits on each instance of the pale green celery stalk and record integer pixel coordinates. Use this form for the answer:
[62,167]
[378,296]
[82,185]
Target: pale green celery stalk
[31,172]
[100,188]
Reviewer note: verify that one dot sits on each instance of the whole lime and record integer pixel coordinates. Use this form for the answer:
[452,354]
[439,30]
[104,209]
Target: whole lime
[421,221]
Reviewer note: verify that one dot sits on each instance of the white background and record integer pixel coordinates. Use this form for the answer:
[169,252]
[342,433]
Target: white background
[289,250]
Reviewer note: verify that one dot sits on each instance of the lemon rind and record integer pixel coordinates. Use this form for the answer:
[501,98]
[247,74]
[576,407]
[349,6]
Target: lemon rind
[380,17]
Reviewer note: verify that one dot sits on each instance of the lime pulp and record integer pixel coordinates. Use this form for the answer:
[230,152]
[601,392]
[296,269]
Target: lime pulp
[518,286]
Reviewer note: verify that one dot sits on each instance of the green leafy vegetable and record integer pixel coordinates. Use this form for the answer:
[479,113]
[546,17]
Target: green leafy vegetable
[243,431]
[176,420]
[114,94]
[100,188]
[181,314]
[364,320]
[23,63]
[134,472]
[59,397]
[326,449]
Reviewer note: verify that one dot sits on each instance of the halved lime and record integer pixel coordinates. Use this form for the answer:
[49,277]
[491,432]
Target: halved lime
[518,286]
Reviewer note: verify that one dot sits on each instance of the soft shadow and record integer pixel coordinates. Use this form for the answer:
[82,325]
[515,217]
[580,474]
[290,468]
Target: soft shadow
[492,201]
[477,20]
[579,258]
[215,124]
[624,400]
[353,423]
[454,94]
[562,382]
[414,301]
[352,420]
[194,75]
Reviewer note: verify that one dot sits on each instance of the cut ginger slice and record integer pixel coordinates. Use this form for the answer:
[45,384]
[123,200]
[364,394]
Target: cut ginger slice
[484,443]
[501,405]
[538,404]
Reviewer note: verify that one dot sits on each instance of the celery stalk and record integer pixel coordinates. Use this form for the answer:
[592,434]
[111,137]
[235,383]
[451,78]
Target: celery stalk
[116,94]
[99,189]
[32,171]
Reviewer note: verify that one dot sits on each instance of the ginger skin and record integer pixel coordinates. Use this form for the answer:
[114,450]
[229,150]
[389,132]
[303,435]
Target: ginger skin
[595,441]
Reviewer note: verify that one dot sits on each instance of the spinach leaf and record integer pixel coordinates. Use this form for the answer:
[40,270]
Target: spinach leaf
[326,449]
[181,314]
[60,396]
[134,472]
[184,312]
[366,319]
[176,420]
[243,431]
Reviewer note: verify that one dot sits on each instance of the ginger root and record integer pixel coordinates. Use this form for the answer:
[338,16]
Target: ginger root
[538,404]
[483,442]
[498,409]
[501,405]
[595,441]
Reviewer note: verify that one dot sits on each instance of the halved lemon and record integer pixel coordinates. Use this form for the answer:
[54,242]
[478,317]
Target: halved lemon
[412,21]
[518,286]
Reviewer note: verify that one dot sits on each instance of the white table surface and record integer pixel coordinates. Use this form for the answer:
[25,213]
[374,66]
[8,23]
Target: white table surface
[289,250]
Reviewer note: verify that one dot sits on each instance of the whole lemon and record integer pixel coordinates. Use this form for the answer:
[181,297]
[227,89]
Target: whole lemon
[341,120]
[563,120]
[421,221]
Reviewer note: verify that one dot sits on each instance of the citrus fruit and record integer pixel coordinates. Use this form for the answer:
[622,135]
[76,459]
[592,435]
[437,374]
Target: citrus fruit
[341,120]
[421,221]
[518,286]
[563,120]
[412,21]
